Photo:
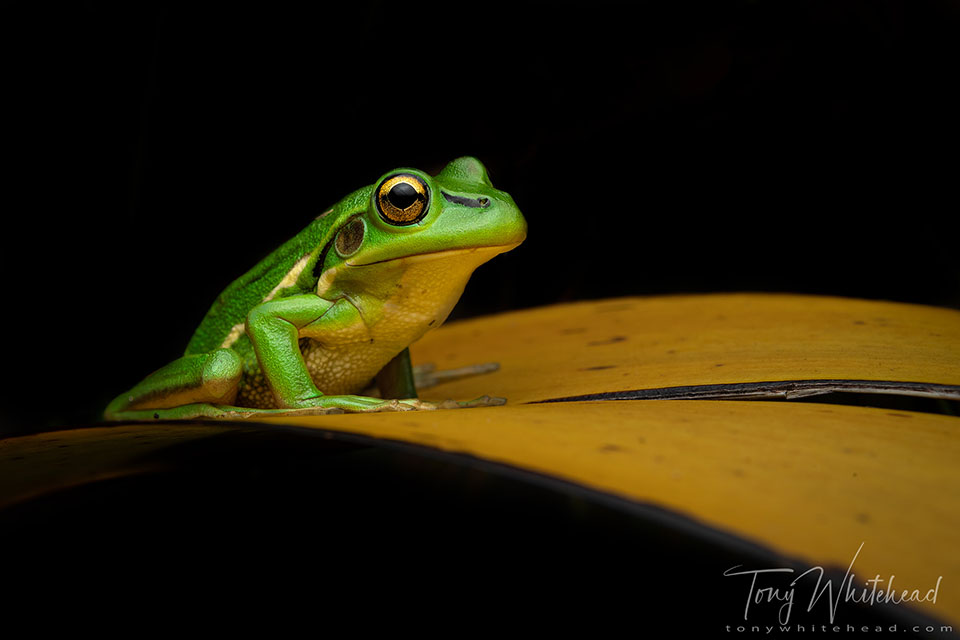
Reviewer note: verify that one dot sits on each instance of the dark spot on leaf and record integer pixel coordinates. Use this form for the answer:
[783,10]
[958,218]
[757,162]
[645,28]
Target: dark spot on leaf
[599,367]
[610,448]
[430,324]
[573,330]
[859,322]
[156,416]
[739,473]
[612,340]
[863,518]
[616,307]
[719,364]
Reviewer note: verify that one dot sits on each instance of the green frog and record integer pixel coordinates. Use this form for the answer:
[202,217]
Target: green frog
[337,306]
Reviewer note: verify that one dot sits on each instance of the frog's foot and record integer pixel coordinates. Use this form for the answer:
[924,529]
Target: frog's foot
[426,375]
[323,405]
[358,404]
[186,412]
[363,404]
[318,406]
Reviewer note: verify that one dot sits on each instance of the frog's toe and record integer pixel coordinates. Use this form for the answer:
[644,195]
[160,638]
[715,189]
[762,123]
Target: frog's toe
[405,405]
[483,401]
[361,404]
[427,375]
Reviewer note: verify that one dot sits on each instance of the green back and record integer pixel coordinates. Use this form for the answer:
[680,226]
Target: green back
[241,295]
[236,301]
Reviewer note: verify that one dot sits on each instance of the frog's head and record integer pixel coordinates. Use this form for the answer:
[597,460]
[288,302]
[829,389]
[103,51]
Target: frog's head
[410,217]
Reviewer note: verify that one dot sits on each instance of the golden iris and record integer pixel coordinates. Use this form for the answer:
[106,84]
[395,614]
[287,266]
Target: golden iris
[403,199]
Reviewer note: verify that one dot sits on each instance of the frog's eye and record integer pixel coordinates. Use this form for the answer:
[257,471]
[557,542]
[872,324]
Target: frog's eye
[403,199]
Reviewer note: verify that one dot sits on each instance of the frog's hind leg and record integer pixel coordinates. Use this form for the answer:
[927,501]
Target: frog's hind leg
[396,380]
[400,380]
[206,378]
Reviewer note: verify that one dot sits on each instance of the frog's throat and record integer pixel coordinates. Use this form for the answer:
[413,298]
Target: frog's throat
[329,277]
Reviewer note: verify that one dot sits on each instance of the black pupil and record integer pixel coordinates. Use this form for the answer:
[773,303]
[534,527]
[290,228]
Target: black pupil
[403,195]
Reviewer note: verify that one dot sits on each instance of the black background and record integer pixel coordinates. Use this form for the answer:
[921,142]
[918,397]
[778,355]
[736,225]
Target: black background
[160,150]
[655,148]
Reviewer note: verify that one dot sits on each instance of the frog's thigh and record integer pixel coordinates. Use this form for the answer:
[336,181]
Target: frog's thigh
[202,378]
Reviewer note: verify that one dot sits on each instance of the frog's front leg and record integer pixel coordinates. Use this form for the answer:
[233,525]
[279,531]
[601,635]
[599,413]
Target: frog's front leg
[275,328]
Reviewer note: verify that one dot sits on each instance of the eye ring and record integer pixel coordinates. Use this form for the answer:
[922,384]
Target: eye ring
[403,199]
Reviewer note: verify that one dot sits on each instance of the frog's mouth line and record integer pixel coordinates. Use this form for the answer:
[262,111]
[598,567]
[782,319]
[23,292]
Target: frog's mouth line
[435,255]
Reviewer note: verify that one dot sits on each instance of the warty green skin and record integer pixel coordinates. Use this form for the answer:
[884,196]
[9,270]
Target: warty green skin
[246,356]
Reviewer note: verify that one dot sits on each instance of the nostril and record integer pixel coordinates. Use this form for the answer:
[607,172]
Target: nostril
[484,202]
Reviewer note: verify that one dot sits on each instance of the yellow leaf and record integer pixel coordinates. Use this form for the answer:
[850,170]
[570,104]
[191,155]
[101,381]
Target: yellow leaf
[649,343]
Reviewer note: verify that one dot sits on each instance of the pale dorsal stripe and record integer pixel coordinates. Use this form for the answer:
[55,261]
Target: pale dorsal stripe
[287,281]
[234,335]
